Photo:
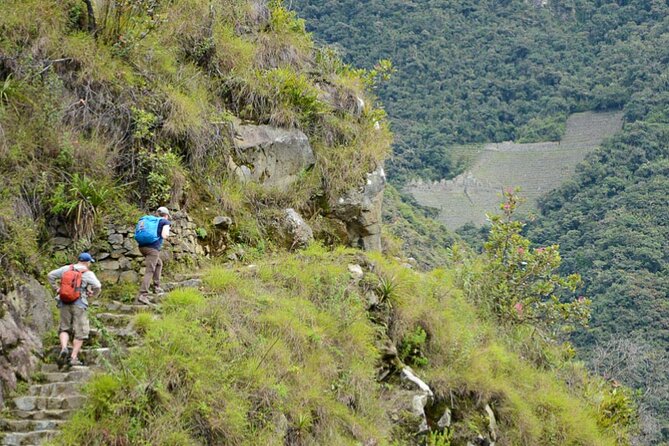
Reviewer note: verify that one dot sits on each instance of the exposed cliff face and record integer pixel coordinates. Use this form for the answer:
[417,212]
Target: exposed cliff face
[361,210]
[25,315]
[272,156]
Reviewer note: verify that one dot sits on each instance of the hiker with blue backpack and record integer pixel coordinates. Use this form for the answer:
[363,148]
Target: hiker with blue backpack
[150,232]
[74,285]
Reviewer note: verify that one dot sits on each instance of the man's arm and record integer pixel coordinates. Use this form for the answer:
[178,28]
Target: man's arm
[92,282]
[165,232]
[54,277]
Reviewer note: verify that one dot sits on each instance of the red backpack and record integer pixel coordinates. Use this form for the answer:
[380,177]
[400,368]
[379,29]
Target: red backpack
[70,285]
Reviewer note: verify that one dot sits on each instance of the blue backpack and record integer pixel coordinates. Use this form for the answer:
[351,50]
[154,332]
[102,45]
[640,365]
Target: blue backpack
[146,231]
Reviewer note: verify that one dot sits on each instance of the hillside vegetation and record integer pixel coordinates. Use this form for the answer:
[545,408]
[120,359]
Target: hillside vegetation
[105,115]
[494,71]
[288,351]
[135,108]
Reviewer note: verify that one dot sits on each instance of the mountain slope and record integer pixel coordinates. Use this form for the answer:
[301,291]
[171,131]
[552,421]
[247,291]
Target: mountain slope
[293,350]
[512,70]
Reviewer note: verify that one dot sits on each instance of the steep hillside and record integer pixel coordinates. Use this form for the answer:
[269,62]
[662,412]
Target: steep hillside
[513,70]
[107,114]
[611,224]
[226,111]
[303,350]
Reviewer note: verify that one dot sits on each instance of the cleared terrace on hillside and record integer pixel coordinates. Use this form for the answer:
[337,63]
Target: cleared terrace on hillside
[536,168]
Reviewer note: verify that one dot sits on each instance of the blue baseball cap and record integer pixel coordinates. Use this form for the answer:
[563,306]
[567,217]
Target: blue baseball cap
[85,257]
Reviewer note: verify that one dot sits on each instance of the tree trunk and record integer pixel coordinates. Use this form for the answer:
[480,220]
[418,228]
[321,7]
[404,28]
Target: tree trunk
[92,27]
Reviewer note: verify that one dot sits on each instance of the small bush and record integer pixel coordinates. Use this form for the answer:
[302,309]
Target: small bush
[221,279]
[182,298]
[142,322]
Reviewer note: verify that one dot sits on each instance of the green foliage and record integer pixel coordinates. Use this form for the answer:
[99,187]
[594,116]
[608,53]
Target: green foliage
[411,349]
[81,200]
[439,438]
[542,129]
[122,24]
[420,236]
[221,279]
[610,222]
[165,177]
[181,299]
[125,292]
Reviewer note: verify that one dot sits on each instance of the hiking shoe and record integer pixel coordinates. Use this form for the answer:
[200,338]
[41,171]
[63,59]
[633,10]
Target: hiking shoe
[63,357]
[74,362]
[144,299]
[159,291]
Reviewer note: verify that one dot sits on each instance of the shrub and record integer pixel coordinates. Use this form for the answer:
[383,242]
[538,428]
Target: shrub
[521,283]
[182,298]
[221,279]
[81,201]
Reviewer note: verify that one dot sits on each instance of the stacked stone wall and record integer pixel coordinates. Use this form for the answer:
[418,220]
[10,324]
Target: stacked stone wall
[117,255]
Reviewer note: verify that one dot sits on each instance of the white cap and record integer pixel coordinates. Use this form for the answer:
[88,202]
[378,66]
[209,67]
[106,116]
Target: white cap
[162,210]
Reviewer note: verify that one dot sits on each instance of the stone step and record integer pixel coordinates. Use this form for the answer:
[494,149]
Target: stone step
[188,283]
[180,277]
[114,319]
[53,368]
[27,403]
[96,356]
[54,389]
[7,425]
[46,414]
[126,336]
[68,375]
[118,307]
[27,438]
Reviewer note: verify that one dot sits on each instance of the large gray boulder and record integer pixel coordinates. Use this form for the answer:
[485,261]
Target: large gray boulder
[271,156]
[361,208]
[32,303]
[19,346]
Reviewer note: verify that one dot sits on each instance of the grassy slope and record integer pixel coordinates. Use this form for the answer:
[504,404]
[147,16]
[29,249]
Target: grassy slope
[146,108]
[285,352]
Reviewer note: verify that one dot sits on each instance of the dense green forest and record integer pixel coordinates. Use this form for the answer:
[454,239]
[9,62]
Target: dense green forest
[489,71]
[479,71]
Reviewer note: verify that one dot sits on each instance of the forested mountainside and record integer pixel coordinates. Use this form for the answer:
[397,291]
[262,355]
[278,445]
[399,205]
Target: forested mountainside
[491,71]
[611,224]
[513,70]
[271,150]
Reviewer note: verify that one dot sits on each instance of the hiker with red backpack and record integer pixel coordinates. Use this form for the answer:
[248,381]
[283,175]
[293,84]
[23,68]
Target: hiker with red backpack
[150,232]
[74,284]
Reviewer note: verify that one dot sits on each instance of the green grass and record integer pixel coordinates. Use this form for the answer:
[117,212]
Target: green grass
[291,356]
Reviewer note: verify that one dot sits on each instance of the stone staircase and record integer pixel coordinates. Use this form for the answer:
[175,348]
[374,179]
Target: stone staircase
[34,417]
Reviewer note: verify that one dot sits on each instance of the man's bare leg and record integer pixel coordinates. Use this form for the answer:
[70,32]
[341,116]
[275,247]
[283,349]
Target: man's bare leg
[76,347]
[64,339]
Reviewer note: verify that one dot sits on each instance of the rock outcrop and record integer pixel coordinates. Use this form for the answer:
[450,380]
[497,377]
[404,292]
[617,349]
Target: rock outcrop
[25,315]
[19,346]
[293,231]
[361,211]
[271,156]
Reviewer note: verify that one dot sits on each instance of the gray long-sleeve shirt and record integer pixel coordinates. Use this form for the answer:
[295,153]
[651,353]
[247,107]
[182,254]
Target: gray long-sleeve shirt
[89,282]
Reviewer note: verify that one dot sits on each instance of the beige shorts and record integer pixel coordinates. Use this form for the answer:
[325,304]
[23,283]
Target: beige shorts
[74,320]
